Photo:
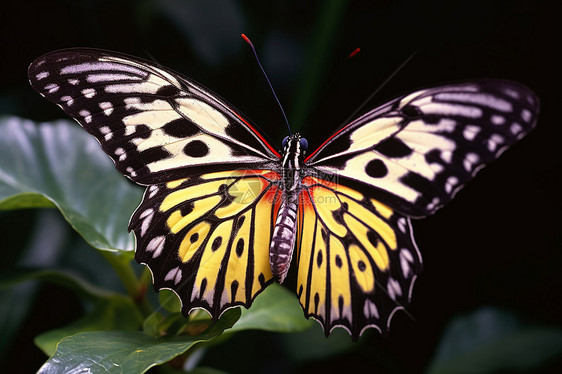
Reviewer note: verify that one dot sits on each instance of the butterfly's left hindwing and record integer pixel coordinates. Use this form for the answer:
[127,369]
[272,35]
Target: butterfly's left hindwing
[357,259]
[207,237]
[155,124]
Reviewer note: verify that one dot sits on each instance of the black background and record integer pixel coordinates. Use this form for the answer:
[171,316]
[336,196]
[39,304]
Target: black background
[497,244]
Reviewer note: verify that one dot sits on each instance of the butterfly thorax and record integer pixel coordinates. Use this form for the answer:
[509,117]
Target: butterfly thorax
[284,233]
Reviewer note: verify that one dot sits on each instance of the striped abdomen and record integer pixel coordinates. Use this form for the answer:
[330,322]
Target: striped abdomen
[283,239]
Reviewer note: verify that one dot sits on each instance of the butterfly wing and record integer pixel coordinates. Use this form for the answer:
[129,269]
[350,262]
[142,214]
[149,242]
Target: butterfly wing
[357,259]
[415,152]
[155,124]
[204,225]
[207,237]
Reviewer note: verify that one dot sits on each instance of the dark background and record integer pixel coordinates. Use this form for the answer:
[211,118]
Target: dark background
[498,244]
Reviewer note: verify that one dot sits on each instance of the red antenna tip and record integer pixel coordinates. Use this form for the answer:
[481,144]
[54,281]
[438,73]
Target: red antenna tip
[247,40]
[356,51]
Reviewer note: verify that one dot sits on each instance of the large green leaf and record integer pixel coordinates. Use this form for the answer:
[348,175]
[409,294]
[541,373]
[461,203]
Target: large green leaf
[111,311]
[125,351]
[114,313]
[275,309]
[491,341]
[60,164]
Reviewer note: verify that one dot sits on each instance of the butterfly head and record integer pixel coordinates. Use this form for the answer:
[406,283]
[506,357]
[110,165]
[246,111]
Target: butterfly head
[295,144]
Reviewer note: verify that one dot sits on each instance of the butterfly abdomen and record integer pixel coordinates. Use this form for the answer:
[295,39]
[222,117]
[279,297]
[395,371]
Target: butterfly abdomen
[283,239]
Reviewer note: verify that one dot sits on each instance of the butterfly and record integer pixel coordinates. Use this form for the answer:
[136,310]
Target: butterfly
[225,210]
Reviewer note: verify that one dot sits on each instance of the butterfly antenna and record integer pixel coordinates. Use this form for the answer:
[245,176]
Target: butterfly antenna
[329,86]
[267,79]
[380,87]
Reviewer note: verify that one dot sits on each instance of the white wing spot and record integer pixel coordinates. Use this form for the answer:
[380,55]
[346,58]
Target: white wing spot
[526,115]
[110,77]
[470,160]
[107,107]
[174,274]
[42,75]
[515,128]
[497,120]
[73,82]
[153,190]
[433,204]
[131,101]
[370,309]
[52,87]
[405,260]
[121,153]
[450,184]
[512,93]
[452,110]
[68,100]
[131,172]
[494,142]
[86,114]
[146,217]
[89,92]
[402,224]
[393,288]
[470,132]
[156,245]
[480,99]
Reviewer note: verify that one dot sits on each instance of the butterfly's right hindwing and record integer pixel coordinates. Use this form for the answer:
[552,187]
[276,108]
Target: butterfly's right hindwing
[207,237]
[155,124]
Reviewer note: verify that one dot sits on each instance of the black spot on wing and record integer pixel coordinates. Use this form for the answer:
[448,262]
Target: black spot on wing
[216,243]
[411,112]
[319,258]
[376,169]
[193,238]
[186,208]
[180,128]
[196,148]
[240,247]
[393,147]
[168,91]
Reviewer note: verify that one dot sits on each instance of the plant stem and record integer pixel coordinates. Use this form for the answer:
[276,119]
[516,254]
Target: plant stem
[135,288]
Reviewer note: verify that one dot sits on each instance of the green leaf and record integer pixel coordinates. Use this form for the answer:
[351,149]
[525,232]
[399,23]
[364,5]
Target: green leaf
[125,351]
[169,300]
[275,309]
[60,277]
[491,341]
[114,313]
[59,164]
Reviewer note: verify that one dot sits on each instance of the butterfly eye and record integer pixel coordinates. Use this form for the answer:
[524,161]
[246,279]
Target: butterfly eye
[284,142]
[304,144]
